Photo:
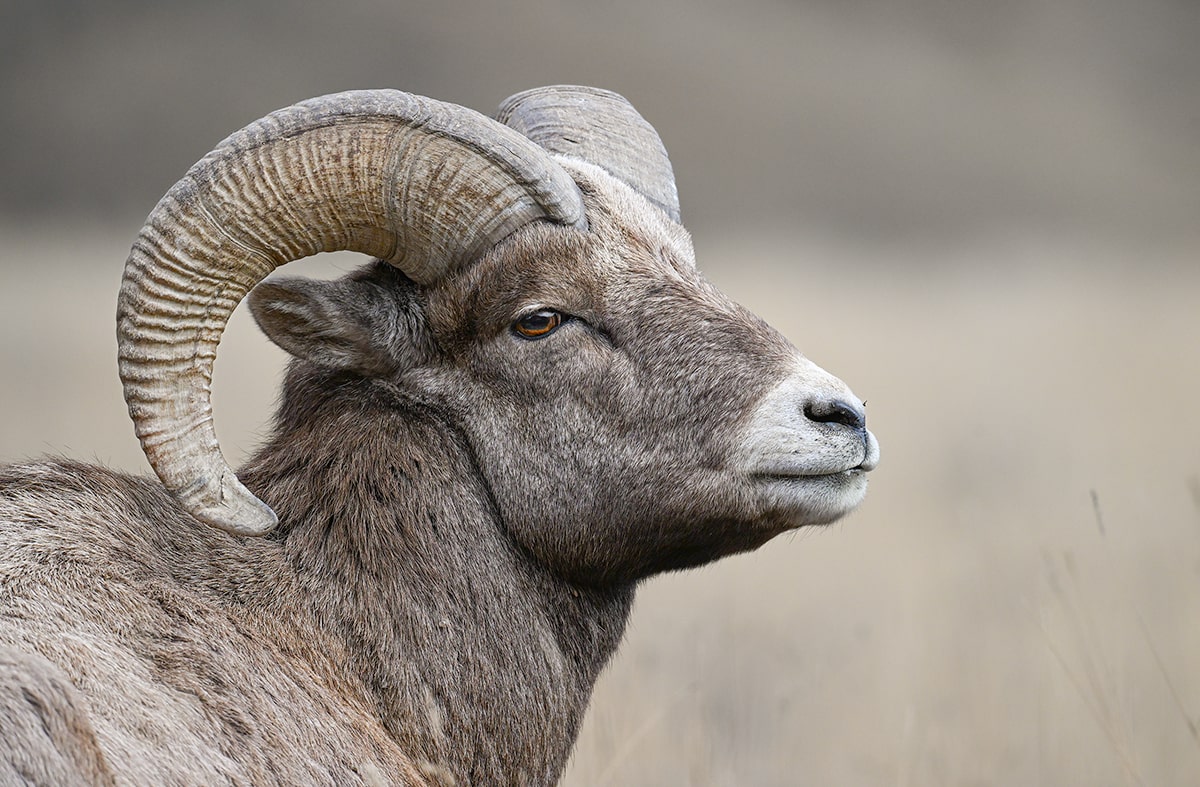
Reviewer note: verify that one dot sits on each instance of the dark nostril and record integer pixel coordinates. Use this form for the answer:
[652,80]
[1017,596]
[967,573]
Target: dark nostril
[836,411]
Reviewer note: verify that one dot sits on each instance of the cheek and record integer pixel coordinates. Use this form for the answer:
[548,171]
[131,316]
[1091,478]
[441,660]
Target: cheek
[597,464]
[603,468]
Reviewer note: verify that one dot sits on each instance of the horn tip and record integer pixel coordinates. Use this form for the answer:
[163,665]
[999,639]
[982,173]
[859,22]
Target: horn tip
[238,512]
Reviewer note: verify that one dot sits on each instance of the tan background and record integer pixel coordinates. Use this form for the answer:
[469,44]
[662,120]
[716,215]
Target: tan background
[981,215]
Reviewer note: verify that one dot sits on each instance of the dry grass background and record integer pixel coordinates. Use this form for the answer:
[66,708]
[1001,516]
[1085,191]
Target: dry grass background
[981,215]
[975,623]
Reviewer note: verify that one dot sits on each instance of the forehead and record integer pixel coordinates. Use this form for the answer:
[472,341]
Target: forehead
[630,249]
[628,235]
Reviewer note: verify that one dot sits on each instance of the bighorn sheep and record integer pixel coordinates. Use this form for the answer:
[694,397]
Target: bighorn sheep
[530,401]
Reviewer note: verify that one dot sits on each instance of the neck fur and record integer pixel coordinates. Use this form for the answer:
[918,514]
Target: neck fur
[480,661]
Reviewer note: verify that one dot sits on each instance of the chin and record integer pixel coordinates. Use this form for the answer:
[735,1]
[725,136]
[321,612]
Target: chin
[817,500]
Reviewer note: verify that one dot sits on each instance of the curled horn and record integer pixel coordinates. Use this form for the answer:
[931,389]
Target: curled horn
[424,185]
[600,127]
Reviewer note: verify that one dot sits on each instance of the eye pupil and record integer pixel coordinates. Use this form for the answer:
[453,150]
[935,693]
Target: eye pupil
[537,324]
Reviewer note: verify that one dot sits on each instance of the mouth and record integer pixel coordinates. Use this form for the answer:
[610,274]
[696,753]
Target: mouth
[783,473]
[834,476]
[811,499]
[787,470]
[808,495]
[800,467]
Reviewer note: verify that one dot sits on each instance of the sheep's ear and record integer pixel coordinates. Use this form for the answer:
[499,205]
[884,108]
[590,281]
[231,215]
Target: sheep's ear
[351,325]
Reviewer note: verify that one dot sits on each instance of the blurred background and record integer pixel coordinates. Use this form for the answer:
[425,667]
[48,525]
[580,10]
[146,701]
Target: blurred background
[983,216]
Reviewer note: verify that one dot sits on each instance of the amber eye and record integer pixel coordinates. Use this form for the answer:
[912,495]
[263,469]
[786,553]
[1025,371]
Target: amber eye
[537,325]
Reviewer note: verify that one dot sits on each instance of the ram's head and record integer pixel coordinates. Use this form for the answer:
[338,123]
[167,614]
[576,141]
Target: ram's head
[534,286]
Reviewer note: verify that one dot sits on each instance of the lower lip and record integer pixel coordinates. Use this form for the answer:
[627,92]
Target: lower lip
[853,472]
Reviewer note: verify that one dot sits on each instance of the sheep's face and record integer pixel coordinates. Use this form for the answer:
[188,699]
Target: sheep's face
[627,416]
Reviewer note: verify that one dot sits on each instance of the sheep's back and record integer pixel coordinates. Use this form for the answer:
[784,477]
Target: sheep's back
[164,637]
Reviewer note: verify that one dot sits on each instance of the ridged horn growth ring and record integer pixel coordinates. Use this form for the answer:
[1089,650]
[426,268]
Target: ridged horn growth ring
[600,127]
[423,184]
